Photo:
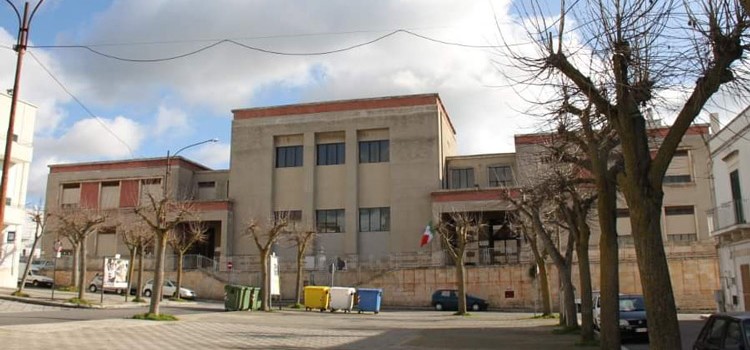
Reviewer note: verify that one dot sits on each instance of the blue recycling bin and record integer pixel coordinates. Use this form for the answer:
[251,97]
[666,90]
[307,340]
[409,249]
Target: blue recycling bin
[368,299]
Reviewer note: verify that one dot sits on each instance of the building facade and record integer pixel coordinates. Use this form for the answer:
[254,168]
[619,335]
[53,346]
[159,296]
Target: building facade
[18,178]
[730,161]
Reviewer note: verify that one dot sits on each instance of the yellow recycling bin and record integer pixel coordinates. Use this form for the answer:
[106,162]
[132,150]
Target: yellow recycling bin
[317,297]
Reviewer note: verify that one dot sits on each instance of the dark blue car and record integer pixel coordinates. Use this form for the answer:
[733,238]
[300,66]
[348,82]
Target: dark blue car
[725,331]
[633,317]
[447,299]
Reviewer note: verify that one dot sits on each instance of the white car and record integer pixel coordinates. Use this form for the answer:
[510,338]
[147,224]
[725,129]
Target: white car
[35,279]
[96,284]
[168,290]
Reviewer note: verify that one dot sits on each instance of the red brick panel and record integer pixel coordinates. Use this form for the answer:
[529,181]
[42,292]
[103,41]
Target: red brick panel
[128,193]
[336,106]
[90,195]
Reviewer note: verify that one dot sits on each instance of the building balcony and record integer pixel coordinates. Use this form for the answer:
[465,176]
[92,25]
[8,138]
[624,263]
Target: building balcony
[729,216]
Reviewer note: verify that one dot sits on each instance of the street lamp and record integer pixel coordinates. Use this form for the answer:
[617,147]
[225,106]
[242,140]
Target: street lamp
[169,158]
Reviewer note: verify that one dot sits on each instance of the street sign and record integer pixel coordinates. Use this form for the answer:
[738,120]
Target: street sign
[229,265]
[58,248]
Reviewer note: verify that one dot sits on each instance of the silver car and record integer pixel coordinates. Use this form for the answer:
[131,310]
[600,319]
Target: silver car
[168,290]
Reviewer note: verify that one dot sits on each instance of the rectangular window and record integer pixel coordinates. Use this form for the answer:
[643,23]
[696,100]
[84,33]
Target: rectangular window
[374,219]
[206,184]
[374,151]
[680,223]
[331,153]
[288,156]
[461,178]
[289,215]
[71,195]
[500,176]
[15,137]
[110,195]
[11,236]
[679,168]
[679,210]
[329,220]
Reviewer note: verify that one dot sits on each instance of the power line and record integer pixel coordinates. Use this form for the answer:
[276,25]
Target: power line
[130,150]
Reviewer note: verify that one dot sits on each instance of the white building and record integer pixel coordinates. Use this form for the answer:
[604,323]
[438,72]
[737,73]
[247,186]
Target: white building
[18,178]
[730,158]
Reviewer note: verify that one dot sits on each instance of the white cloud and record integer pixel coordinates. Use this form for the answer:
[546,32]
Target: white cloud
[171,120]
[212,155]
[89,139]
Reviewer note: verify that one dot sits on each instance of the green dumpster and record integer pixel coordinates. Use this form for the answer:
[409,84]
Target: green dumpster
[236,298]
[255,303]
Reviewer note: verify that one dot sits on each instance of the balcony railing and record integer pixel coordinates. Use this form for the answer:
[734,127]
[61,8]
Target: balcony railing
[729,214]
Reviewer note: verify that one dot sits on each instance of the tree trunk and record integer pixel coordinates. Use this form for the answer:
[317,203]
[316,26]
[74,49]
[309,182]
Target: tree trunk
[139,287]
[542,277]
[266,290]
[661,311]
[460,280]
[131,268]
[76,265]
[584,272]
[82,276]
[609,264]
[298,290]
[180,255]
[156,292]
[28,263]
[568,297]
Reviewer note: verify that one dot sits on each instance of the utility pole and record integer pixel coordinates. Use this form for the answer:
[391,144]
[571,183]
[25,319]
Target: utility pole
[20,48]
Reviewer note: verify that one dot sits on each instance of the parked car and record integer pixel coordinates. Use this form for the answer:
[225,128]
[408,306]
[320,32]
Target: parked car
[168,290]
[96,285]
[633,323]
[725,331]
[447,299]
[37,280]
[42,265]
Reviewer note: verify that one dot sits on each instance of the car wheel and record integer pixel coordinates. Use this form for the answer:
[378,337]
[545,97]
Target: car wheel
[439,307]
[119,291]
[35,283]
[92,288]
[475,307]
[147,293]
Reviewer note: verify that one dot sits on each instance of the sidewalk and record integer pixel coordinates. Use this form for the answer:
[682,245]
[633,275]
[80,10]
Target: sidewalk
[43,296]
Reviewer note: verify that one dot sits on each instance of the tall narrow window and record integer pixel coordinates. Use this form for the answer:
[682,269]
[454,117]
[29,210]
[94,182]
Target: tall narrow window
[734,183]
[500,175]
[329,220]
[461,178]
[288,156]
[374,151]
[331,153]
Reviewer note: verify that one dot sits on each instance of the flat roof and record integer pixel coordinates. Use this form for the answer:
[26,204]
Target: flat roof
[343,105]
[127,164]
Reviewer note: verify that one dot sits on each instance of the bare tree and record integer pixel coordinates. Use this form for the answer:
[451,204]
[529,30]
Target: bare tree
[456,231]
[161,214]
[301,236]
[625,57]
[136,236]
[77,224]
[264,235]
[181,240]
[540,263]
[39,218]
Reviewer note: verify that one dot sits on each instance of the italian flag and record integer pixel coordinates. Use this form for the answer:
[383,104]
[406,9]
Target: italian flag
[427,235]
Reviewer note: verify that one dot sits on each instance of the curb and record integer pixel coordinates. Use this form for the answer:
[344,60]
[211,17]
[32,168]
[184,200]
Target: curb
[46,302]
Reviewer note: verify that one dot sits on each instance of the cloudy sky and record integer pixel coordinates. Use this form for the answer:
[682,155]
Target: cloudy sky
[144,109]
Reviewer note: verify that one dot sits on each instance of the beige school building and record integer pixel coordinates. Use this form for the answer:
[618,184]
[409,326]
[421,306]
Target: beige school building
[368,175]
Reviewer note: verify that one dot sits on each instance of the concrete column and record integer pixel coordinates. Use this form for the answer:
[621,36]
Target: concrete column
[352,189]
[308,163]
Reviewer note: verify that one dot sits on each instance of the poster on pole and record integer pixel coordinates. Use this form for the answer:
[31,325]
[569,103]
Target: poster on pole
[274,267]
[115,273]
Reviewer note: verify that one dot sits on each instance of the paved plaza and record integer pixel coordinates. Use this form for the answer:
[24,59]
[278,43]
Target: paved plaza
[292,329]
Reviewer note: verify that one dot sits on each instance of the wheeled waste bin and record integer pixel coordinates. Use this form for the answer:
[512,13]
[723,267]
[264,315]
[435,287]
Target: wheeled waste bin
[368,299]
[254,302]
[236,298]
[317,297]
[342,298]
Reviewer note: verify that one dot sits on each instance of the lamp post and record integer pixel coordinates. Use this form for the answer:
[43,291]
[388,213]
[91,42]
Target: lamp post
[20,48]
[169,158]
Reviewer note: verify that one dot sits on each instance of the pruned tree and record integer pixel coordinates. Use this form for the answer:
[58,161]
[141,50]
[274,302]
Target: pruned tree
[182,240]
[457,229]
[77,225]
[301,236]
[137,237]
[161,214]
[625,57]
[39,218]
[264,235]
[540,263]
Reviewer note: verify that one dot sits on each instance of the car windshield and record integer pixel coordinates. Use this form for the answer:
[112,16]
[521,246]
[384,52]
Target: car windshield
[631,304]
